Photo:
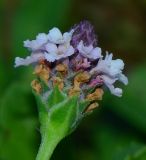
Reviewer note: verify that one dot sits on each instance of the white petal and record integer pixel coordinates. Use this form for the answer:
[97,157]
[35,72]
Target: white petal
[89,51]
[108,80]
[36,44]
[108,57]
[84,50]
[33,45]
[55,36]
[51,48]
[50,57]
[42,38]
[109,83]
[68,52]
[67,36]
[115,91]
[28,60]
[96,53]
[123,79]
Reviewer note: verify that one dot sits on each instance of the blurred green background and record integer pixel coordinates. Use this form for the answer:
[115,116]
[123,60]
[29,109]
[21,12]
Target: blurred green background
[115,131]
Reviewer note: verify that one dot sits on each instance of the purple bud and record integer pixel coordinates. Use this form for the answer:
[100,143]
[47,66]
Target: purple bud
[84,31]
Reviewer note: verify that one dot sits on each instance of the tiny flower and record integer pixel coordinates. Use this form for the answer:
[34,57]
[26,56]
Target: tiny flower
[89,51]
[55,52]
[56,37]
[37,44]
[46,47]
[111,71]
[33,58]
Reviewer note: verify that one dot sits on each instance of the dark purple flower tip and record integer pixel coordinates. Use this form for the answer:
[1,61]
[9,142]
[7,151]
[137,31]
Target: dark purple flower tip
[84,31]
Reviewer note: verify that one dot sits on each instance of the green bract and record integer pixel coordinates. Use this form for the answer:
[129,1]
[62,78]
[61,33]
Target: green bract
[59,116]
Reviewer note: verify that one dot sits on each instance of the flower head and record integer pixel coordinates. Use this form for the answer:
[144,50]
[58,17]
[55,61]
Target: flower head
[73,62]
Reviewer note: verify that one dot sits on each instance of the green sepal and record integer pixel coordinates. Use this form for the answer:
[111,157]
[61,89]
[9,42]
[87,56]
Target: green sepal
[57,118]
[64,115]
[42,107]
[55,97]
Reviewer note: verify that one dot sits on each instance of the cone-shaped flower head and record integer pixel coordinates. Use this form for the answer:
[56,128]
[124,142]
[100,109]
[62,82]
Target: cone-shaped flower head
[73,62]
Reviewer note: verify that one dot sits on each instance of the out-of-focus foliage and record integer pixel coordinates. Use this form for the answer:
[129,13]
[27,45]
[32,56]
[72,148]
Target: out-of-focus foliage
[132,106]
[117,130]
[18,123]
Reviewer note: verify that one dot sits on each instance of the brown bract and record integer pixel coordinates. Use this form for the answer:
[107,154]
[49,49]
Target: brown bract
[58,81]
[78,80]
[74,91]
[91,107]
[96,95]
[82,77]
[62,68]
[36,86]
[43,72]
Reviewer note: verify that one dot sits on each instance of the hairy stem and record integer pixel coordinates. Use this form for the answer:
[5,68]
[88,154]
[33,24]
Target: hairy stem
[47,146]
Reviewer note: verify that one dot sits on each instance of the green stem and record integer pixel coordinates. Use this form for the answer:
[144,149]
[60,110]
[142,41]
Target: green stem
[48,144]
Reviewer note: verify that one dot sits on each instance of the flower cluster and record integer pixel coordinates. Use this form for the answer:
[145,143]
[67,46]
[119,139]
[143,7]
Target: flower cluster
[74,63]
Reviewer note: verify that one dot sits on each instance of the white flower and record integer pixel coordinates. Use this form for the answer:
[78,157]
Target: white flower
[89,51]
[56,37]
[59,45]
[55,52]
[51,47]
[34,45]
[33,58]
[111,71]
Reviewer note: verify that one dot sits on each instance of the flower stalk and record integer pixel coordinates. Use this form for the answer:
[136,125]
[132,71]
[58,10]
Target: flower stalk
[50,139]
